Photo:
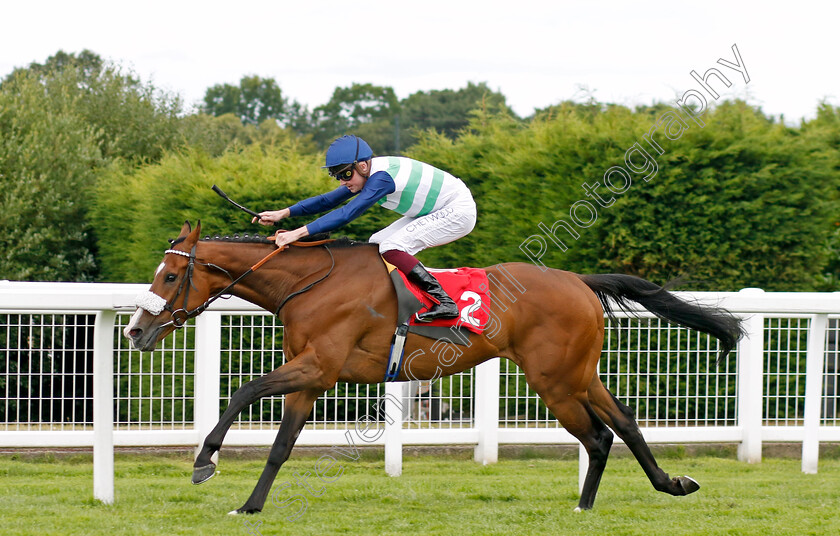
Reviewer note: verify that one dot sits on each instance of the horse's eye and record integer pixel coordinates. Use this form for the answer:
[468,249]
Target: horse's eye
[170,278]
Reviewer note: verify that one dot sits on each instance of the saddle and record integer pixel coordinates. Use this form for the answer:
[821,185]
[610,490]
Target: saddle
[467,287]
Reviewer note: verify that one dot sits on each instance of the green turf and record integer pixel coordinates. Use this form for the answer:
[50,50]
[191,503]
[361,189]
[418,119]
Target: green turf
[434,496]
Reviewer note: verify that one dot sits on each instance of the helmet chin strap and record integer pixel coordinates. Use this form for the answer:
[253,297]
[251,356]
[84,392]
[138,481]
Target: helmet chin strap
[356,162]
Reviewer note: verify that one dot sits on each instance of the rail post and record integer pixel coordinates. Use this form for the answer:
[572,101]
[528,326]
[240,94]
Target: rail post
[393,410]
[813,392]
[486,411]
[207,367]
[103,407]
[750,373]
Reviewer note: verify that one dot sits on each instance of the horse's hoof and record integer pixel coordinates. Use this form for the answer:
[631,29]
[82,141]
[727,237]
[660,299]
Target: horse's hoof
[204,473]
[240,511]
[688,484]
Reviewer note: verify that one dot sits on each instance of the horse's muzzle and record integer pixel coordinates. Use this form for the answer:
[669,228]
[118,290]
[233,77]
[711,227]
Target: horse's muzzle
[144,340]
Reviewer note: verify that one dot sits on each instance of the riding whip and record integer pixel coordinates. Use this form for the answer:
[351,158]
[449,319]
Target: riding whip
[237,205]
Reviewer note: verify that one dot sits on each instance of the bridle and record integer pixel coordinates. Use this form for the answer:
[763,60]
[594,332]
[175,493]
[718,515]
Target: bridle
[181,315]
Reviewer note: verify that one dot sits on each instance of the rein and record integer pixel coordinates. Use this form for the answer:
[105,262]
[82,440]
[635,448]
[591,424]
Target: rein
[181,316]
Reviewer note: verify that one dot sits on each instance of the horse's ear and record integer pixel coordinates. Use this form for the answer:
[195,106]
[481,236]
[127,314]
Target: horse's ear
[195,234]
[185,230]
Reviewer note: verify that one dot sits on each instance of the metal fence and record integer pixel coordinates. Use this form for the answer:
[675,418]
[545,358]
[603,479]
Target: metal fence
[781,384]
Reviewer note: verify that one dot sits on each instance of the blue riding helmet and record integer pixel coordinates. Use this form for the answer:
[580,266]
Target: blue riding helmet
[348,150]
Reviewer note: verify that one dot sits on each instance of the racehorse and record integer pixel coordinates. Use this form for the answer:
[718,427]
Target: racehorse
[339,308]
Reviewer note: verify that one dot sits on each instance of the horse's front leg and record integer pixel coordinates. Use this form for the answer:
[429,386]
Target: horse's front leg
[297,409]
[300,374]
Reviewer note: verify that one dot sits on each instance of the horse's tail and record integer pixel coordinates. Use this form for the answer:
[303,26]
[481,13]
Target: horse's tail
[715,321]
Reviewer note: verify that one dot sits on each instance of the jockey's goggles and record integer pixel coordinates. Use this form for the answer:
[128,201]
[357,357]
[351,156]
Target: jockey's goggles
[342,173]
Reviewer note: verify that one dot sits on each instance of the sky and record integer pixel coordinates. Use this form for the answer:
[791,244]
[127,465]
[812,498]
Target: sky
[536,53]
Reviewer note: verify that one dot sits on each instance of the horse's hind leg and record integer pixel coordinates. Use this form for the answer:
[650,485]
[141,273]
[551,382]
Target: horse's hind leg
[621,419]
[579,418]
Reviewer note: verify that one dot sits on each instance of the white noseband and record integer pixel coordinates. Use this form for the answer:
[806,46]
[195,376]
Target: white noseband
[150,302]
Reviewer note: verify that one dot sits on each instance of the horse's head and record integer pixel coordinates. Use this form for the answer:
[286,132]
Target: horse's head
[178,293]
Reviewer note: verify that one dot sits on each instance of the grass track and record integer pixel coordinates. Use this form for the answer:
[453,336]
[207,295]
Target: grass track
[435,496]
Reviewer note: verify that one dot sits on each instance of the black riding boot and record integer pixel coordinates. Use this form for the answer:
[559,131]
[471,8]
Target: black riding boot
[446,308]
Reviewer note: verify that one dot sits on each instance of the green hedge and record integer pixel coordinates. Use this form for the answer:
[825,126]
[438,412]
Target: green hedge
[743,201]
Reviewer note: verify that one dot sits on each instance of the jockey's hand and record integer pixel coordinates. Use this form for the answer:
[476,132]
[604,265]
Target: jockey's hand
[269,217]
[284,238]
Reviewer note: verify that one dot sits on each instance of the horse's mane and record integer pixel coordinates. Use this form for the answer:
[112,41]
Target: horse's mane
[246,238]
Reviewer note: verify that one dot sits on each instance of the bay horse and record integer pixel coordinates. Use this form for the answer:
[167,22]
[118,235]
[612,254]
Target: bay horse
[339,308]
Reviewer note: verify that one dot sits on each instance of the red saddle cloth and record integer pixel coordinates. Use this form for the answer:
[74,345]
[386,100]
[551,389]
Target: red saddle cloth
[467,287]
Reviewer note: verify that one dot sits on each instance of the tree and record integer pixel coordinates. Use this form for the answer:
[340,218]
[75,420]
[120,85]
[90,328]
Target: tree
[254,101]
[47,159]
[447,111]
[87,63]
[61,122]
[363,109]
[132,120]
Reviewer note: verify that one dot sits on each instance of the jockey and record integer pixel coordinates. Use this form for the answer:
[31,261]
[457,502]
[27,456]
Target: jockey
[437,208]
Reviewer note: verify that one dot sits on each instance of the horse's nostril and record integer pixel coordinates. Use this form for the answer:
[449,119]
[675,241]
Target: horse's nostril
[135,332]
